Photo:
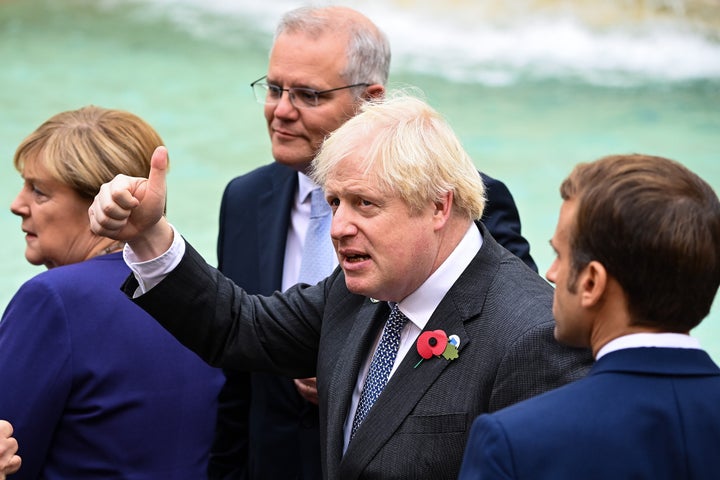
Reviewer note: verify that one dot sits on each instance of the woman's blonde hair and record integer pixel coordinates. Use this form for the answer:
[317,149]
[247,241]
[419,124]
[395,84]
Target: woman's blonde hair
[87,147]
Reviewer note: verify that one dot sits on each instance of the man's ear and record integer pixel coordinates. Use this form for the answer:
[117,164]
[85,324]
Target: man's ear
[374,92]
[592,284]
[443,209]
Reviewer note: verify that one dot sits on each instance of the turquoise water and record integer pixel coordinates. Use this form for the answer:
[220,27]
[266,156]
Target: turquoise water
[531,90]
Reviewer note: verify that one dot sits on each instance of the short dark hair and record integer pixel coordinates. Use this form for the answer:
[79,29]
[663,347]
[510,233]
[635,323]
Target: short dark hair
[655,227]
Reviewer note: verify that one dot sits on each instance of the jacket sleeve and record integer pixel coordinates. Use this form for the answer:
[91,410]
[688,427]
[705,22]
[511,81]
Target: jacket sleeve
[229,328]
[35,370]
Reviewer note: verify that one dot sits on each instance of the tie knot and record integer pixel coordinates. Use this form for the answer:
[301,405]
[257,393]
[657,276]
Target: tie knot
[318,206]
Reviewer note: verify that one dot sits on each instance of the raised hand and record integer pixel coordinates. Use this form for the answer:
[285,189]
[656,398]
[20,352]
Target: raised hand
[130,209]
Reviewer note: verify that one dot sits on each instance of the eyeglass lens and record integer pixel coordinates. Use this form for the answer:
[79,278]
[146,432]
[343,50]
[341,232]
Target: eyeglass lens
[299,97]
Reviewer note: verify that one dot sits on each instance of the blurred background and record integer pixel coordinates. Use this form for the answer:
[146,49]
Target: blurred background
[531,88]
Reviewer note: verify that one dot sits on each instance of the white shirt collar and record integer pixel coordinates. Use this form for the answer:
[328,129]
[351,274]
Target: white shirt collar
[419,305]
[662,340]
[305,186]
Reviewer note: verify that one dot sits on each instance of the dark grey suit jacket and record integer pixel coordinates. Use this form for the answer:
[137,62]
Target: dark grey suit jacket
[500,309]
[265,429]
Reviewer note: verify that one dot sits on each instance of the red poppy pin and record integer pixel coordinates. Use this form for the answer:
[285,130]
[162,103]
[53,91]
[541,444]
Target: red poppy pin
[437,343]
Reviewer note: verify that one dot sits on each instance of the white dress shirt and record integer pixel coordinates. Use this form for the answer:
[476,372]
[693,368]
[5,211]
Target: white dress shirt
[299,221]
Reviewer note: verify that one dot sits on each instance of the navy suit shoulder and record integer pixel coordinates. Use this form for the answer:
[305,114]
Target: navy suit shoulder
[662,401]
[502,219]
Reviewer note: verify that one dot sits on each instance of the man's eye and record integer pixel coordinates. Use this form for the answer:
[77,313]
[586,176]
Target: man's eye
[274,91]
[308,97]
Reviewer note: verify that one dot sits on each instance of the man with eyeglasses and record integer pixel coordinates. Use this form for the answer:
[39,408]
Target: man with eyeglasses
[323,64]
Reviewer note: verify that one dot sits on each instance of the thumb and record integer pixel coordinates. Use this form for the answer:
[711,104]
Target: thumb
[158,170]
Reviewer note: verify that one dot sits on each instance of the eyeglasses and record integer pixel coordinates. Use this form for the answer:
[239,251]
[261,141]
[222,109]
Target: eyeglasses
[269,94]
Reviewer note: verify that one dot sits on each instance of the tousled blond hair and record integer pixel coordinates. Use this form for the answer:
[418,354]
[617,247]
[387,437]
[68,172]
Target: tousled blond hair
[411,149]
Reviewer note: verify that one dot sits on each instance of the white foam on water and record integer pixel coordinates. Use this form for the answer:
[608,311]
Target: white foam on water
[560,48]
[469,44]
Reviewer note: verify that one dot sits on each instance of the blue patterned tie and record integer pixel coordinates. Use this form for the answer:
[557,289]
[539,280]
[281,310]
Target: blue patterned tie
[317,259]
[381,365]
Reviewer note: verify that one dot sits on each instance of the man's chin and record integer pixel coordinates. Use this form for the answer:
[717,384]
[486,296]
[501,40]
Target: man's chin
[301,164]
[362,288]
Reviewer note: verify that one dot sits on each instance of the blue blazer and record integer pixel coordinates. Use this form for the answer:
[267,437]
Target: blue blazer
[95,388]
[641,413]
[282,427]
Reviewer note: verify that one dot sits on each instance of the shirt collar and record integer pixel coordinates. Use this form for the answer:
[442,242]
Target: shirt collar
[305,187]
[420,305]
[663,340]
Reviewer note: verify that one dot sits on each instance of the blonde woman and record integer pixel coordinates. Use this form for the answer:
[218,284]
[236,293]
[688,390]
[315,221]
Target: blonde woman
[97,388]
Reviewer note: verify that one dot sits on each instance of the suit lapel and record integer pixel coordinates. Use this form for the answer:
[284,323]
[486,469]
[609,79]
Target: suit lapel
[397,401]
[366,324]
[273,207]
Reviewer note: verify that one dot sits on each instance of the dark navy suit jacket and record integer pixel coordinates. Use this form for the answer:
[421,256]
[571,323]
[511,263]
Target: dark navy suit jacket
[265,429]
[641,413]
